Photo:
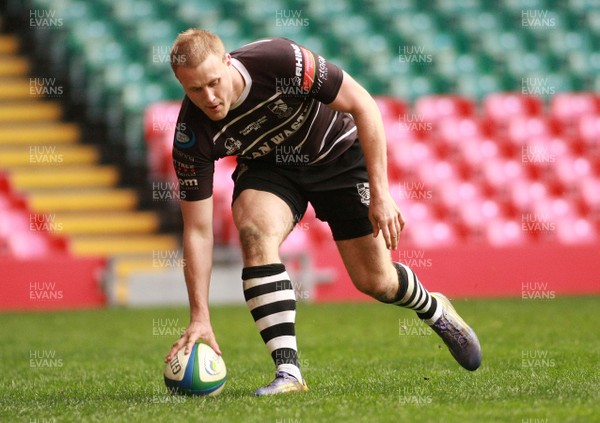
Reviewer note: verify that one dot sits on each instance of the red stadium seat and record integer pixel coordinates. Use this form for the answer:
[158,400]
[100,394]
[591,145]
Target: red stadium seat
[433,172]
[160,120]
[452,130]
[429,234]
[567,107]
[589,191]
[502,232]
[587,135]
[576,231]
[224,227]
[391,108]
[410,156]
[499,173]
[453,193]
[432,108]
[501,107]
[476,151]
[570,170]
[477,212]
[521,129]
[588,128]
[523,193]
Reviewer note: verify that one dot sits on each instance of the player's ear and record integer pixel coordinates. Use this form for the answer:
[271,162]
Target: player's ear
[227,59]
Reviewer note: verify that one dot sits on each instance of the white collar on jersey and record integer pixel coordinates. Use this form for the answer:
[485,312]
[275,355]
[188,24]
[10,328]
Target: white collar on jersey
[244,72]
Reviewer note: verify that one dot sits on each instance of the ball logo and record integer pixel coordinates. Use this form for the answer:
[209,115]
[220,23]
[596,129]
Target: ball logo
[175,365]
[212,364]
[183,140]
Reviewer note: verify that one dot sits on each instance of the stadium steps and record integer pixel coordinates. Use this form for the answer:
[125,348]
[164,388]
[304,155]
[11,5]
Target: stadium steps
[65,181]
[65,155]
[21,111]
[83,199]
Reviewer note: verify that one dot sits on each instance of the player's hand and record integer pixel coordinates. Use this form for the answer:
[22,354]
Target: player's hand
[385,216]
[194,332]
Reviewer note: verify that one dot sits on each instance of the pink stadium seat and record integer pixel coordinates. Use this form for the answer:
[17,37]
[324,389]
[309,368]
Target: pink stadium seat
[408,158]
[433,108]
[160,120]
[503,232]
[523,193]
[477,212]
[391,108]
[589,190]
[555,208]
[430,234]
[453,193]
[224,227]
[587,135]
[576,231]
[521,129]
[452,130]
[570,170]
[499,173]
[431,173]
[567,107]
[588,128]
[500,107]
[476,151]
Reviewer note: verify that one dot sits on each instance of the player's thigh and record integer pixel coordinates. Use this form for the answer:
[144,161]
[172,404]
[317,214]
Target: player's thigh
[263,214]
[368,262]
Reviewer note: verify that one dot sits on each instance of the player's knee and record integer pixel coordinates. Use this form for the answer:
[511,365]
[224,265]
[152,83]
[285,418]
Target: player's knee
[250,235]
[258,244]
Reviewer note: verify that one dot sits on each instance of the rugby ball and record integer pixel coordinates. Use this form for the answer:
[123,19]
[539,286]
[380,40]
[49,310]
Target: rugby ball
[201,372]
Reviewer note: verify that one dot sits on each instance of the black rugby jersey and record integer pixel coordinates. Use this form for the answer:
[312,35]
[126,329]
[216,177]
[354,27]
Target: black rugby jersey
[281,117]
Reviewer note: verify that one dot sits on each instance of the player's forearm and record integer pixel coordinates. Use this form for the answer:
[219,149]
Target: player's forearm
[372,139]
[198,249]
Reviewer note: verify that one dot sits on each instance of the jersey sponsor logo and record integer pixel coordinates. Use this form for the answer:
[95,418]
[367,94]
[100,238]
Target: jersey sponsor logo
[280,108]
[254,126]
[182,155]
[364,192]
[309,69]
[323,73]
[284,134]
[298,57]
[189,182]
[183,140]
[184,168]
[232,145]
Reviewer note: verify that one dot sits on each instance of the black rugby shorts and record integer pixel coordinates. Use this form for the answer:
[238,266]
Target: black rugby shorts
[338,191]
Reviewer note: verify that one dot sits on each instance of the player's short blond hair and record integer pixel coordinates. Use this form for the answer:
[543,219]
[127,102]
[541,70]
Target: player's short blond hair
[193,46]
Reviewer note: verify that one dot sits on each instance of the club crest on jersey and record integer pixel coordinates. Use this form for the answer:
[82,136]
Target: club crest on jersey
[183,140]
[364,192]
[232,145]
[280,108]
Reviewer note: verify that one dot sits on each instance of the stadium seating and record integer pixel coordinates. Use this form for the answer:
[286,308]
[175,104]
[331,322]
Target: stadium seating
[117,52]
[492,122]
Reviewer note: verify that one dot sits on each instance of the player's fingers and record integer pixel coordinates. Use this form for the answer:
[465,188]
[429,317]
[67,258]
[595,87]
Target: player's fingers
[387,235]
[174,349]
[189,345]
[213,344]
[375,225]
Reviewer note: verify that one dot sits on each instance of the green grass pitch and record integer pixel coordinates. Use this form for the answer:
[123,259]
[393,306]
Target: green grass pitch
[363,363]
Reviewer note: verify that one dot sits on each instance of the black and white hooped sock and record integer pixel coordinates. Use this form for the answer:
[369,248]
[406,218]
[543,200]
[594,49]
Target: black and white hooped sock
[271,299]
[413,295]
